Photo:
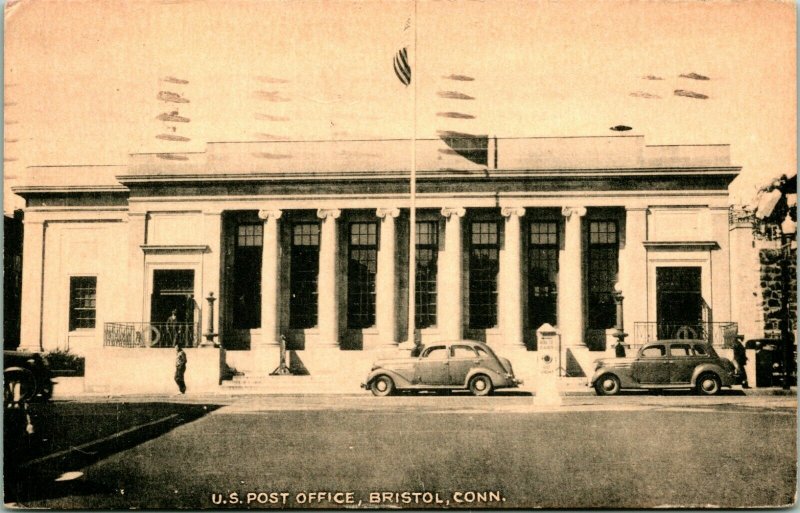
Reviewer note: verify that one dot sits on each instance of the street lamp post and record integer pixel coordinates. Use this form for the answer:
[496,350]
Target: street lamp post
[620,325]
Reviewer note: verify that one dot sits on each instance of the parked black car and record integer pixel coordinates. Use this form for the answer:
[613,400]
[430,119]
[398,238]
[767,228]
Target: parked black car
[26,376]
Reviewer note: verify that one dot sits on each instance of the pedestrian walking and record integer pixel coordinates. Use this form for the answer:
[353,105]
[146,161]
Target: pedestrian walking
[739,361]
[180,368]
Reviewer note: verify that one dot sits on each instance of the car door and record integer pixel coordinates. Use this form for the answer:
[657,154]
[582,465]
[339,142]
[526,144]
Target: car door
[432,366]
[682,363]
[652,365]
[462,359]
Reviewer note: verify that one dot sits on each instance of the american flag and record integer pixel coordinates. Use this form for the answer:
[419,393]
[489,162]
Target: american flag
[401,67]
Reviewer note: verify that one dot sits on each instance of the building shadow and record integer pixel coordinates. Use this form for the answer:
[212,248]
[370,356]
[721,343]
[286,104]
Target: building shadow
[42,442]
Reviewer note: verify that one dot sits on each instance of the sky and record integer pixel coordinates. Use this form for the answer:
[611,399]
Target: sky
[84,80]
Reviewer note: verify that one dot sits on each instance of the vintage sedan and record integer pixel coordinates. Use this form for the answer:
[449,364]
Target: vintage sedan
[460,365]
[25,376]
[665,364]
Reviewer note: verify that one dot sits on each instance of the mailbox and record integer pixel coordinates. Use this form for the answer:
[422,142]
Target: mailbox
[547,349]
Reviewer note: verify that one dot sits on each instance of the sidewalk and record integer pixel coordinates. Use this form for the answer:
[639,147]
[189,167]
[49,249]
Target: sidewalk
[307,385]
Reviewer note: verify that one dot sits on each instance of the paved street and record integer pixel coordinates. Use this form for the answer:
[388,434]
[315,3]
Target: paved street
[503,451]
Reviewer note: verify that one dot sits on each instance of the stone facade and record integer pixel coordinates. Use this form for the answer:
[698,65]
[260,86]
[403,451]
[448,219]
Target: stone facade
[772,289]
[539,234]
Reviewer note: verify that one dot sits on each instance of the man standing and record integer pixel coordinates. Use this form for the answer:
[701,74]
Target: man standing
[739,361]
[180,368]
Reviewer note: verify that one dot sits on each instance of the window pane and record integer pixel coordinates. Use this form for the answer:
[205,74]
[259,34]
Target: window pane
[654,352]
[303,276]
[247,276]
[543,273]
[604,265]
[427,252]
[483,269]
[679,350]
[436,353]
[463,352]
[249,235]
[83,301]
[361,275]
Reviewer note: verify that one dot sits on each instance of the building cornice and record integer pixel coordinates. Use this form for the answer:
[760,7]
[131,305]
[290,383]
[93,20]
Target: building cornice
[443,174]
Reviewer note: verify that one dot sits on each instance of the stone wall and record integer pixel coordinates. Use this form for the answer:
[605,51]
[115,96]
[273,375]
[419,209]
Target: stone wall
[771,290]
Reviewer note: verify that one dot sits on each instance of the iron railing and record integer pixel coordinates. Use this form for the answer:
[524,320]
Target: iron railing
[719,334]
[150,334]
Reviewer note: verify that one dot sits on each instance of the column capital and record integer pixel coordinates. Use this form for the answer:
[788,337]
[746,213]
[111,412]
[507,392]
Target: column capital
[512,211]
[570,211]
[270,213]
[387,212]
[331,213]
[212,212]
[453,211]
[637,209]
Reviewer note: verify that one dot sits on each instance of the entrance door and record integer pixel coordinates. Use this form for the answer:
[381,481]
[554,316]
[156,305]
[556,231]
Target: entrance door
[679,303]
[172,307]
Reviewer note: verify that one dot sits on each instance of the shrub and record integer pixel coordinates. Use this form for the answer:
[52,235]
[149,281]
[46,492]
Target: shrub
[63,360]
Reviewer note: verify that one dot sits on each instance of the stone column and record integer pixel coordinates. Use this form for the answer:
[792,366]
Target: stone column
[270,277]
[137,232]
[633,270]
[385,302]
[32,274]
[449,316]
[212,235]
[570,279]
[328,271]
[510,286]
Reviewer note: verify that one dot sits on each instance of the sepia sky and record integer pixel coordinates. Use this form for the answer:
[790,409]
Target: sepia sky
[82,78]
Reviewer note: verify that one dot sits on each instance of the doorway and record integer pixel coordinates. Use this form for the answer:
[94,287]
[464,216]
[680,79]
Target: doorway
[172,307]
[679,302]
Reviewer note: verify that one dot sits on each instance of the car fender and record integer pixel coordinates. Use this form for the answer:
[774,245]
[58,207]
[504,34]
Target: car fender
[497,379]
[399,380]
[726,378]
[622,372]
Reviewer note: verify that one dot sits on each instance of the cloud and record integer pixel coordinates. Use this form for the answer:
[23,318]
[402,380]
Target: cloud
[455,115]
[172,116]
[690,94]
[269,117]
[651,77]
[454,95]
[174,80]
[643,94]
[694,76]
[171,137]
[271,96]
[167,96]
[461,78]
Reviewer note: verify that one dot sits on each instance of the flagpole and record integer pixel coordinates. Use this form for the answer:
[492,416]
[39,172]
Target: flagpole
[412,230]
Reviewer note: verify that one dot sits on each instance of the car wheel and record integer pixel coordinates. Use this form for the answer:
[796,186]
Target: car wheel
[20,385]
[480,385]
[607,384]
[382,386]
[708,384]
